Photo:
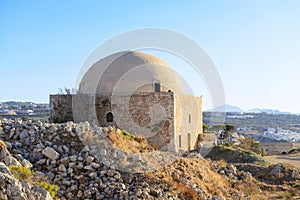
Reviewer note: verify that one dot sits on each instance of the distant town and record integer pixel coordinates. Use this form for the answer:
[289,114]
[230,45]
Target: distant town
[13,109]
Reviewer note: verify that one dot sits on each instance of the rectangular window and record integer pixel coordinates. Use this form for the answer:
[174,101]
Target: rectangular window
[157,87]
[190,118]
[189,141]
[179,141]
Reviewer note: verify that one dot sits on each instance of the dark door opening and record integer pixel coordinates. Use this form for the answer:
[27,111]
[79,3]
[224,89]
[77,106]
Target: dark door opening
[109,117]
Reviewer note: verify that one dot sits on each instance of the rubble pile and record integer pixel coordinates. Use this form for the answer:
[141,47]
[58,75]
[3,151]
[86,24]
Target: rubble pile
[82,161]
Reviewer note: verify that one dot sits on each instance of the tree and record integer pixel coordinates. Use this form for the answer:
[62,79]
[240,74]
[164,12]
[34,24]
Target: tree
[227,129]
[205,127]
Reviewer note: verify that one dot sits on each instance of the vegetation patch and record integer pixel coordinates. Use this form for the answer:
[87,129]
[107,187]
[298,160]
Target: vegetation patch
[127,135]
[23,174]
[235,155]
[52,189]
[129,143]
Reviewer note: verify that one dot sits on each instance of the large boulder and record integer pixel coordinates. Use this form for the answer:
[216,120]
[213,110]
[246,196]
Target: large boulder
[50,153]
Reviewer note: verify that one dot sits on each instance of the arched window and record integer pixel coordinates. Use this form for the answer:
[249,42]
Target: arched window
[109,117]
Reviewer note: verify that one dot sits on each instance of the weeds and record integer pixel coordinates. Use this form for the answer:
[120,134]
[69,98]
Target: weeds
[24,174]
[52,189]
[21,173]
[127,135]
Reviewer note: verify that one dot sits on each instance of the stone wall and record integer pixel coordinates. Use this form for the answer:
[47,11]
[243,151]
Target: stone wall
[276,148]
[148,114]
[61,108]
[168,122]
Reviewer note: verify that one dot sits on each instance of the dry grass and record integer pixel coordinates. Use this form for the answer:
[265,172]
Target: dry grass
[196,172]
[199,172]
[222,163]
[2,145]
[129,143]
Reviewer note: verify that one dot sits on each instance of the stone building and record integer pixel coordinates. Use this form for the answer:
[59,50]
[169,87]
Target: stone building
[136,92]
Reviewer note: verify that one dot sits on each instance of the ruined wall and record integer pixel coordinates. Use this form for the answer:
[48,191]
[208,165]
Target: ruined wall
[148,114]
[276,148]
[61,108]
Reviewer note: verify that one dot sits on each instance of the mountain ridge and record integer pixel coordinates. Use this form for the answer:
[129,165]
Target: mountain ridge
[236,109]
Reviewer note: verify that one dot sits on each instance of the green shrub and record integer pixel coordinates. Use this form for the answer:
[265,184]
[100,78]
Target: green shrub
[21,173]
[24,174]
[52,189]
[127,135]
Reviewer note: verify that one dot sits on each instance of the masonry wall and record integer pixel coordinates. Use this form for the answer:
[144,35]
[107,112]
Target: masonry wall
[148,114]
[276,148]
[61,108]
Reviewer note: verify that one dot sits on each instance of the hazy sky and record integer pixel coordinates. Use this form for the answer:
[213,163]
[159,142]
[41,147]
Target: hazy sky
[255,45]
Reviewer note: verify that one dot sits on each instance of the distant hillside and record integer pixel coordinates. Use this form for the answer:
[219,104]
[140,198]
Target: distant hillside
[269,111]
[226,108]
[235,109]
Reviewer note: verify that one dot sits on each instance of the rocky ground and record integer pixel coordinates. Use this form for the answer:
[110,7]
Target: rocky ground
[88,162]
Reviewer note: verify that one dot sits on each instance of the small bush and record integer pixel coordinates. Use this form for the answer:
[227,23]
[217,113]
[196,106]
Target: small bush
[24,174]
[21,173]
[127,135]
[52,189]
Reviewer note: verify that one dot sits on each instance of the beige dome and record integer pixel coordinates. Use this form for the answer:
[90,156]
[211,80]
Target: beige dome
[129,72]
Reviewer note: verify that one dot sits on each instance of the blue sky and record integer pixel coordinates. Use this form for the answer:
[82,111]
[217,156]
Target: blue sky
[255,45]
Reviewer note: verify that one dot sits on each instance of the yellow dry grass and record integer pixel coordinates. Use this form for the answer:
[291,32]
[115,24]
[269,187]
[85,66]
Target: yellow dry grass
[129,144]
[2,145]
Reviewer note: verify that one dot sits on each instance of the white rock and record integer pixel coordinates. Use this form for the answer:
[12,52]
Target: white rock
[62,168]
[95,165]
[73,158]
[89,167]
[50,153]
[72,164]
[89,159]
[10,160]
[26,164]
[92,174]
[79,166]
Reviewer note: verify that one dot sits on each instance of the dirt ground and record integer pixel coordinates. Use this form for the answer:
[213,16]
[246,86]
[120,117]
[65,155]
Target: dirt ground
[292,159]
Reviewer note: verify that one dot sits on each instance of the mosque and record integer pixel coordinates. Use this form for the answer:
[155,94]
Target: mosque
[136,92]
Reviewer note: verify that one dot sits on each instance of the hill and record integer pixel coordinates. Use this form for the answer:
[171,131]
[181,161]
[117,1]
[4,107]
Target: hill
[226,108]
[87,162]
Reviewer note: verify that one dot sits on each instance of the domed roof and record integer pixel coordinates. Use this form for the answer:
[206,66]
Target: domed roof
[129,72]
